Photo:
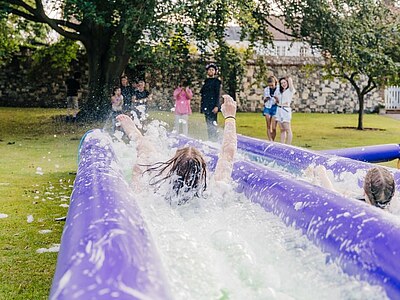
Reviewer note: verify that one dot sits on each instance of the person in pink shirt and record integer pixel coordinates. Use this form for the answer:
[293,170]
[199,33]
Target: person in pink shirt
[182,96]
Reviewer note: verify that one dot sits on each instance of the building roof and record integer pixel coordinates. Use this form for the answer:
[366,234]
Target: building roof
[233,32]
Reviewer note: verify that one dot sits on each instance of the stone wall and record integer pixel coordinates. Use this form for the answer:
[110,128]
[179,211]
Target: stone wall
[21,86]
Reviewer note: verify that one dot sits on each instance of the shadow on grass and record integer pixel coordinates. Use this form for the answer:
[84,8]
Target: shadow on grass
[355,128]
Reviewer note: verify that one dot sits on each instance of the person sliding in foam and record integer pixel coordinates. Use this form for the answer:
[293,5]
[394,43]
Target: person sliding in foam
[186,171]
[379,185]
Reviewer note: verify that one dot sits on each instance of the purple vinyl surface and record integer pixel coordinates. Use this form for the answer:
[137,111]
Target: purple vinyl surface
[372,154]
[296,159]
[106,251]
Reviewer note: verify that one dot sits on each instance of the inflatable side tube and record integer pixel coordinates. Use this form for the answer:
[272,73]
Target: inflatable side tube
[362,239]
[295,159]
[106,251]
[372,154]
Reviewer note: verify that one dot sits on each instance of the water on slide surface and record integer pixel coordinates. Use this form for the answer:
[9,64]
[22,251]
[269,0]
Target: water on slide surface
[225,247]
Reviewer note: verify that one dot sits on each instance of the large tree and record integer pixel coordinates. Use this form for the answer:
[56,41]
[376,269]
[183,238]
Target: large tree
[111,31]
[358,38]
[107,29]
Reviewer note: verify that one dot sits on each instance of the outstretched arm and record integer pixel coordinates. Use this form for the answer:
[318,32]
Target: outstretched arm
[319,176]
[223,170]
[145,149]
[291,86]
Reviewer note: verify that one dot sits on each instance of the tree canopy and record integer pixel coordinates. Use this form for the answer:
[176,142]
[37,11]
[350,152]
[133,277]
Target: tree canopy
[360,40]
[112,32]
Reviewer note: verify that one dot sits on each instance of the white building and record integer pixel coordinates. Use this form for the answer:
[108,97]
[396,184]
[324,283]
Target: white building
[282,44]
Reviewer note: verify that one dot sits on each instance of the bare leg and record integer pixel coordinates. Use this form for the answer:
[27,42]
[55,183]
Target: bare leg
[185,126]
[176,124]
[273,128]
[283,132]
[286,133]
[268,123]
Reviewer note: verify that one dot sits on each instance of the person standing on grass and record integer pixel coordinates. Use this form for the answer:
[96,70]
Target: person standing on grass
[73,87]
[270,106]
[182,96]
[117,100]
[139,100]
[284,112]
[210,93]
[117,105]
[126,91]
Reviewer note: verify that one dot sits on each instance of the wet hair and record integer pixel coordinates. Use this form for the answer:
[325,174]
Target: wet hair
[272,79]
[186,172]
[280,85]
[379,186]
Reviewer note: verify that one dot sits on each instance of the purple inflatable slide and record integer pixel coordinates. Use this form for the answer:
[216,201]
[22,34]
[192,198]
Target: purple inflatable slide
[106,251]
[372,154]
[295,159]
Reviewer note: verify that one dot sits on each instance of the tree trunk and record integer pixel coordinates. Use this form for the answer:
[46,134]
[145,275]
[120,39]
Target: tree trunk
[360,111]
[106,64]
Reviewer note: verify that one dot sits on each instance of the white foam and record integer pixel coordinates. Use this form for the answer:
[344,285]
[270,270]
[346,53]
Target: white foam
[29,219]
[53,248]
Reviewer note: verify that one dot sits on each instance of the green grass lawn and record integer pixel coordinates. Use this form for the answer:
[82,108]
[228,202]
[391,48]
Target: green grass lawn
[38,162]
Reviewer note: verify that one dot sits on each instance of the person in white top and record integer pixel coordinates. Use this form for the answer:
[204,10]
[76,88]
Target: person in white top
[270,106]
[185,173]
[284,112]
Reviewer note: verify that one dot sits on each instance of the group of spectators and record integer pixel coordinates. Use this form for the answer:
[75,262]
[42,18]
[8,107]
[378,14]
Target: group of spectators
[277,98]
[210,103]
[133,97]
[130,97]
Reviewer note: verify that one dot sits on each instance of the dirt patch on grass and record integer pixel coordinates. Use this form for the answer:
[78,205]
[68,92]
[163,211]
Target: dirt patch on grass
[355,128]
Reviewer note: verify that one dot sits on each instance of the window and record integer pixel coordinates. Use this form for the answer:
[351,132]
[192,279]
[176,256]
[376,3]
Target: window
[303,51]
[280,50]
[277,50]
[283,51]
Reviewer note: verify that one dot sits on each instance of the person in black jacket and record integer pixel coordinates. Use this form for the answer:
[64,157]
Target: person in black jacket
[127,92]
[210,93]
[73,87]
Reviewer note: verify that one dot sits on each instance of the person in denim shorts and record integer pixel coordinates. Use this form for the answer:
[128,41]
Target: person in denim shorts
[270,106]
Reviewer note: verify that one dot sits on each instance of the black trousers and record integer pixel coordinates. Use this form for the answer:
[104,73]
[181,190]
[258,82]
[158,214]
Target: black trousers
[211,122]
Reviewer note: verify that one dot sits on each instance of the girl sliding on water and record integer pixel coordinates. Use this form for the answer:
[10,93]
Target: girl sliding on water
[378,188]
[186,171]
